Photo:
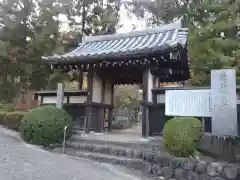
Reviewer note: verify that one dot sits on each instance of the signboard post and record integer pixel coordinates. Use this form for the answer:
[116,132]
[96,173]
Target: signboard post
[194,103]
[60,95]
[224,102]
[188,103]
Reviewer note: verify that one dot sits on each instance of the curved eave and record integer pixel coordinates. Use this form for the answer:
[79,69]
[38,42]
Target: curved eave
[139,53]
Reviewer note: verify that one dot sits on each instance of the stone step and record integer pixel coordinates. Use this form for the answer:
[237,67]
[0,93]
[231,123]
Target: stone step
[160,165]
[154,145]
[145,155]
[145,168]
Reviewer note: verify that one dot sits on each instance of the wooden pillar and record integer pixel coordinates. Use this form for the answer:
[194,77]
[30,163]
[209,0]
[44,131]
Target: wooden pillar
[110,119]
[147,100]
[100,111]
[96,87]
[154,81]
[158,82]
[110,112]
[100,119]
[144,104]
[89,101]
[81,79]
[154,94]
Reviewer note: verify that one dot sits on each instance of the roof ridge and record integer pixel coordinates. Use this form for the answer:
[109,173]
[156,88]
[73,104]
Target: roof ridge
[148,31]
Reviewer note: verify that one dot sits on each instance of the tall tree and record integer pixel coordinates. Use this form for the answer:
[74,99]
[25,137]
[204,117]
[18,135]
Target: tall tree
[215,44]
[127,97]
[28,32]
[87,17]
[15,21]
[92,17]
[162,11]
[213,31]
[44,41]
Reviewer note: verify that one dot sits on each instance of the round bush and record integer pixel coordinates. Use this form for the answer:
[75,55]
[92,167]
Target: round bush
[181,134]
[45,125]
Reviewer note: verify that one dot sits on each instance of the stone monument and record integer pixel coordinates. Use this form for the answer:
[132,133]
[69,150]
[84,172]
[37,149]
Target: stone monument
[224,102]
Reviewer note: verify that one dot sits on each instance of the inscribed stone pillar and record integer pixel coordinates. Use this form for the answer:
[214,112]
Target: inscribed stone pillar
[60,95]
[224,102]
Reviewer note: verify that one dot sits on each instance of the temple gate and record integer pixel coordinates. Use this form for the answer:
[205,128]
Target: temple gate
[143,57]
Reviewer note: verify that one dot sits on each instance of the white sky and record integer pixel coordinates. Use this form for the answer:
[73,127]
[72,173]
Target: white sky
[125,20]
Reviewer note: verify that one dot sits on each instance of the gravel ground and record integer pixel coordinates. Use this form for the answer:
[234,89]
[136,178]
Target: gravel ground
[19,161]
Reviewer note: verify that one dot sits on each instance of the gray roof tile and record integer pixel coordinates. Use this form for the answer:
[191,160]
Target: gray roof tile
[112,46]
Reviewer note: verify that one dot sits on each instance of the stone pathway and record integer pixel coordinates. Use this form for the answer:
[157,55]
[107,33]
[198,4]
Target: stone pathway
[19,161]
[125,135]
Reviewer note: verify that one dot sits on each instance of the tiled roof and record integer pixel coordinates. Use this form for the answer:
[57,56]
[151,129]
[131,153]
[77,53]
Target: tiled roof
[159,40]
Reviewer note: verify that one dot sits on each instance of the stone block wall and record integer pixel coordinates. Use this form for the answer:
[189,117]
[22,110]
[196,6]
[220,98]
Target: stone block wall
[175,168]
[159,164]
[187,169]
[221,147]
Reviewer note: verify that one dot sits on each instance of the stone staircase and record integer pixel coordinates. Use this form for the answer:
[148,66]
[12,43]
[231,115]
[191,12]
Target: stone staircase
[145,157]
[136,155]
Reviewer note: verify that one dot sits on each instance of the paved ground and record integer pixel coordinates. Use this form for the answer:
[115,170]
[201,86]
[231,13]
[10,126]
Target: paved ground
[19,161]
[124,135]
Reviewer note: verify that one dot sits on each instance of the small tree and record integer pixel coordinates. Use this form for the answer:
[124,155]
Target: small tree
[45,125]
[181,134]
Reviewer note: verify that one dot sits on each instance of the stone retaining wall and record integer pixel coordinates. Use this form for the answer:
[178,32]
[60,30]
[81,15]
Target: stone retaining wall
[176,169]
[221,147]
[159,164]
[186,169]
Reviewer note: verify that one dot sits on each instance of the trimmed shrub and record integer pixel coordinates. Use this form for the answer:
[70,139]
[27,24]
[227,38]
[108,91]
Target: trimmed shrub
[45,125]
[12,120]
[2,116]
[6,107]
[181,134]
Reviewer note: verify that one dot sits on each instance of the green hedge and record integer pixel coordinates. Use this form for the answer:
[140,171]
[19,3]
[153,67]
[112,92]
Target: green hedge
[6,107]
[181,134]
[45,125]
[11,120]
[2,116]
